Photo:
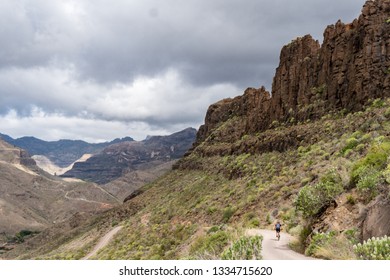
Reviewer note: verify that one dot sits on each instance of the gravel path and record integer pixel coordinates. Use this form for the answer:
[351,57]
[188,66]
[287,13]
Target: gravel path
[103,242]
[272,249]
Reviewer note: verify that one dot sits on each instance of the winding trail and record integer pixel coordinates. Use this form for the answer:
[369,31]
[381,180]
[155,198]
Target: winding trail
[103,242]
[272,249]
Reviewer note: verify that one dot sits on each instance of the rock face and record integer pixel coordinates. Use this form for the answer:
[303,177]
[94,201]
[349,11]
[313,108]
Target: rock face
[376,222]
[118,159]
[349,68]
[14,155]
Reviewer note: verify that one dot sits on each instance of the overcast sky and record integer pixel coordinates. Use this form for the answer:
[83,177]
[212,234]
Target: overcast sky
[102,69]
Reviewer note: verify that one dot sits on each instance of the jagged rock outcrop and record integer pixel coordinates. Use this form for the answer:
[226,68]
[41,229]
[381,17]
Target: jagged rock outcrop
[14,155]
[252,107]
[350,67]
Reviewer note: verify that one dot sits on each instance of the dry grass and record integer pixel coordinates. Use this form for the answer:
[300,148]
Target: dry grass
[339,248]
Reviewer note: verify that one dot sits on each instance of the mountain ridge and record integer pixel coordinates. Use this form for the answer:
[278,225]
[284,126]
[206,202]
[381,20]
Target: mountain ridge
[120,158]
[62,152]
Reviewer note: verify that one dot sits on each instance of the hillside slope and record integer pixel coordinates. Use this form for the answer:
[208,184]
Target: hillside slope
[315,155]
[198,212]
[31,200]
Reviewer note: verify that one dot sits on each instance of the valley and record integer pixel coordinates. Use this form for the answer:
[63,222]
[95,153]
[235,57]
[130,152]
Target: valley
[34,198]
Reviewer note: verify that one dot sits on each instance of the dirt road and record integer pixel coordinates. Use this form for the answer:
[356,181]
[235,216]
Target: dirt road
[103,242]
[274,249]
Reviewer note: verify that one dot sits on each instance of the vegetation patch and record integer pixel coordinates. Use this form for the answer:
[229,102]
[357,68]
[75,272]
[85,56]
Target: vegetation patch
[21,236]
[374,249]
[211,245]
[245,248]
[370,172]
[313,199]
[330,245]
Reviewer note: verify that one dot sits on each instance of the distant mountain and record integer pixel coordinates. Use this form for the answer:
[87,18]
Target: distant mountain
[62,152]
[118,159]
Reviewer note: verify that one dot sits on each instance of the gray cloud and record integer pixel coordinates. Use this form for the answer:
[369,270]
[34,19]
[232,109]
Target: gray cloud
[154,64]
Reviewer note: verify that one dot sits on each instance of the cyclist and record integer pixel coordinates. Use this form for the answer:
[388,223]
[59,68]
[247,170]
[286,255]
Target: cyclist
[278,228]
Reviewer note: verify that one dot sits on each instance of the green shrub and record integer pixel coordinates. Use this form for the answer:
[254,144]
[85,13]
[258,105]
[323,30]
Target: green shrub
[350,143]
[374,249]
[246,248]
[251,220]
[386,174]
[290,218]
[214,229]
[360,148]
[352,235]
[357,134]
[20,236]
[387,113]
[212,209]
[378,103]
[347,153]
[375,159]
[254,223]
[318,240]
[331,246]
[268,219]
[368,173]
[369,178]
[351,199]
[227,214]
[211,244]
[312,199]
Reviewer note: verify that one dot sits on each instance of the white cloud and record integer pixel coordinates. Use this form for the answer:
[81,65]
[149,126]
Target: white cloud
[64,107]
[52,127]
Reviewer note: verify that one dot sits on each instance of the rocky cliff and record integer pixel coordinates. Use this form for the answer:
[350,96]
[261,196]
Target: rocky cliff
[351,66]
